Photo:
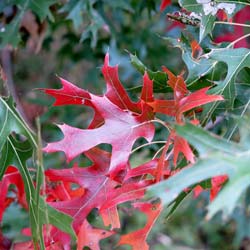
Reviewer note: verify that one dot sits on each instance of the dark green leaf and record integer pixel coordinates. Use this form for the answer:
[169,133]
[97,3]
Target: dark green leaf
[159,78]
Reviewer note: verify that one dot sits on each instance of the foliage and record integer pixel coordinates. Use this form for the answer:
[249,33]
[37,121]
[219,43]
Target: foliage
[75,206]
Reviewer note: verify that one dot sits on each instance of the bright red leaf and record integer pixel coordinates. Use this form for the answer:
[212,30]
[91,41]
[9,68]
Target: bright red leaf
[96,187]
[122,124]
[11,177]
[181,146]
[89,236]
[137,239]
[217,183]
[183,101]
[197,51]
[54,239]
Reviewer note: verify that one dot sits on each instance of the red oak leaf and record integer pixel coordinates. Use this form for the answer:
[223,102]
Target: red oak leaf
[54,239]
[177,84]
[147,168]
[121,129]
[69,94]
[96,187]
[11,177]
[137,239]
[181,146]
[124,120]
[100,192]
[182,102]
[217,183]
[127,192]
[89,236]
[197,51]
[115,92]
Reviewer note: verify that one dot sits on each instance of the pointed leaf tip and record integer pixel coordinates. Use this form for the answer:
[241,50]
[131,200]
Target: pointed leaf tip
[147,89]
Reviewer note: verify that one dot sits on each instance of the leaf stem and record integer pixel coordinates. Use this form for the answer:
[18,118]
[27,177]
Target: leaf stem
[237,40]
[237,124]
[146,144]
[236,1]
[161,122]
[231,23]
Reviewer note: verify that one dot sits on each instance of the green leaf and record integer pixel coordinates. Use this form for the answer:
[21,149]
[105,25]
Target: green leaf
[12,122]
[159,78]
[12,146]
[236,60]
[17,152]
[203,169]
[10,32]
[207,17]
[206,142]
[197,68]
[42,8]
[92,29]
[191,5]
[247,2]
[217,157]
[207,21]
[75,9]
[206,26]
[225,201]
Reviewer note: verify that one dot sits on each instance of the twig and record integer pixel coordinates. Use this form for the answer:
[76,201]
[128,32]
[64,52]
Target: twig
[6,62]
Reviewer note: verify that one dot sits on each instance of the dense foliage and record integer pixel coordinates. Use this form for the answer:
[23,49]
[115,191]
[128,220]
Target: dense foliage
[136,150]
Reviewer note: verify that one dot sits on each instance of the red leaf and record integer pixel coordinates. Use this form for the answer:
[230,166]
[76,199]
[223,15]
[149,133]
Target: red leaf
[196,49]
[137,239]
[181,146]
[182,101]
[11,176]
[54,239]
[147,168]
[196,99]
[69,94]
[5,243]
[115,91]
[127,192]
[89,236]
[217,183]
[177,84]
[162,161]
[124,126]
[164,4]
[166,107]
[147,90]
[97,188]
[241,16]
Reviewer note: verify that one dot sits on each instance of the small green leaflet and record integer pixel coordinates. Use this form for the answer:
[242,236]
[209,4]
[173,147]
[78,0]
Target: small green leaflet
[10,32]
